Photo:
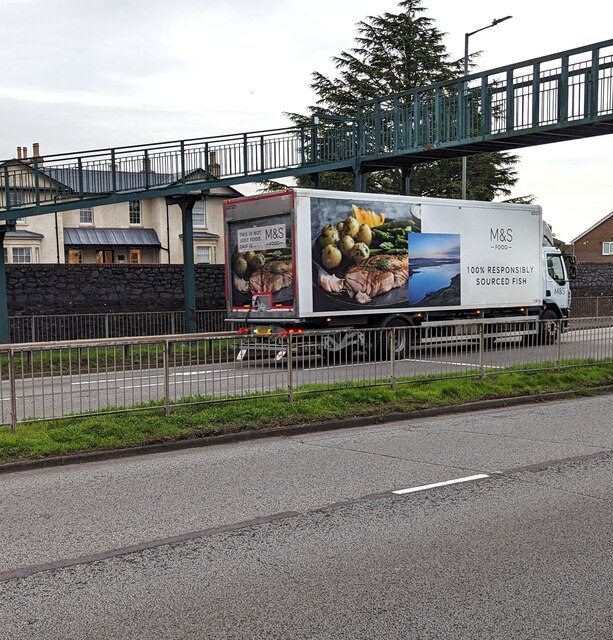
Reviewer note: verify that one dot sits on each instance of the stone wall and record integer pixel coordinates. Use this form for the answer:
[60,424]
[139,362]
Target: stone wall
[48,289]
[593,279]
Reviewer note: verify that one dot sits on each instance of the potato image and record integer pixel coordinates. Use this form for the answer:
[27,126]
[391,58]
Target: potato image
[331,257]
[351,227]
[329,235]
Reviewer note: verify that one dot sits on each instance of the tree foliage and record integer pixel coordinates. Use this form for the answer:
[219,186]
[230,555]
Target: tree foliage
[395,52]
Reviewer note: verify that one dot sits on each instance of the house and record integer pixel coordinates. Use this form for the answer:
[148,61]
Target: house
[596,244]
[147,231]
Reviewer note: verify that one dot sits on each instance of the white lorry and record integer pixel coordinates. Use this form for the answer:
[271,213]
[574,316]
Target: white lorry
[313,259]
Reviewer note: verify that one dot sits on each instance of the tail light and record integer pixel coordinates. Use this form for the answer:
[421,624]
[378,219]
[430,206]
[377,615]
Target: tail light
[285,332]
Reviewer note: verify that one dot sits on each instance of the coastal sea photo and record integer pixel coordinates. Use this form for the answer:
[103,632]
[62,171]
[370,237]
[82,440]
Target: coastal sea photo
[434,269]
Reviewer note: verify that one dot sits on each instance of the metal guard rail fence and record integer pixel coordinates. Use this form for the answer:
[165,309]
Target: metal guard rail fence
[88,326]
[51,328]
[49,381]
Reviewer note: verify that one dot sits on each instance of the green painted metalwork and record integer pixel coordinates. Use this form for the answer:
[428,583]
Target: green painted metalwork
[4,316]
[189,279]
[556,97]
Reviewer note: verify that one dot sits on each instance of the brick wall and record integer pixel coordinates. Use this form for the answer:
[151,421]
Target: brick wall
[589,247]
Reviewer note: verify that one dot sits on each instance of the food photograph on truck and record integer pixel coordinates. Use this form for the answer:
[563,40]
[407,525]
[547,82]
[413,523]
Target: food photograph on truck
[365,258]
[262,263]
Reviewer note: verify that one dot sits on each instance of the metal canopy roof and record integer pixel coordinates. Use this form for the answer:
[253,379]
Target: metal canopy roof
[84,237]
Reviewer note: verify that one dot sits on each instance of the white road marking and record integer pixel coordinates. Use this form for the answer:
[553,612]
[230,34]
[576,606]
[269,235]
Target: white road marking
[479,476]
[102,381]
[455,364]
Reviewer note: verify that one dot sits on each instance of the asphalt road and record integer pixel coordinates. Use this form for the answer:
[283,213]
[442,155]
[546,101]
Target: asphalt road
[97,388]
[304,537]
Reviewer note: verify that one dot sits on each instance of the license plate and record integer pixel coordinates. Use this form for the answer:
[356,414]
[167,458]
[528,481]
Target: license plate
[263,331]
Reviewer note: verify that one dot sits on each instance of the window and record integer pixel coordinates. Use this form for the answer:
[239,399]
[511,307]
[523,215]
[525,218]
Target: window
[204,254]
[104,257]
[134,256]
[86,215]
[135,212]
[555,267]
[75,256]
[22,255]
[607,248]
[199,214]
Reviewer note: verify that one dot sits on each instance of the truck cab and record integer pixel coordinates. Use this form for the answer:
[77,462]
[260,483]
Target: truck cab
[557,275]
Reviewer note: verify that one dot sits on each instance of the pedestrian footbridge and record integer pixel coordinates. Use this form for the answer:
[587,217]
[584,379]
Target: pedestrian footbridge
[558,97]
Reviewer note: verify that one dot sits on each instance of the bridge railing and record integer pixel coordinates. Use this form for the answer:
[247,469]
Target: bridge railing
[551,91]
[63,178]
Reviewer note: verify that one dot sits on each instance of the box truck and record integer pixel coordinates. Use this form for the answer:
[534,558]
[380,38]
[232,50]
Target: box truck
[313,259]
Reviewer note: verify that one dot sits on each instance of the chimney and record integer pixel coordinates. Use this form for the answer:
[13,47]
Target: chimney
[24,152]
[18,153]
[35,149]
[214,167]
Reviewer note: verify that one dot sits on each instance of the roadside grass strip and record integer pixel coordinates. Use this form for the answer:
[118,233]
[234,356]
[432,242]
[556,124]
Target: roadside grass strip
[215,416]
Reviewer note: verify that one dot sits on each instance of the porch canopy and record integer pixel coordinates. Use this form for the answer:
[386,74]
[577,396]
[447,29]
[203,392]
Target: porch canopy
[109,238]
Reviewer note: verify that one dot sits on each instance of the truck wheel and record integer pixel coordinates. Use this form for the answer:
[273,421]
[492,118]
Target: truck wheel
[404,338]
[549,327]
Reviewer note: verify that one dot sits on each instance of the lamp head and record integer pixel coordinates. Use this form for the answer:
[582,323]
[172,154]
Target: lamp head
[499,20]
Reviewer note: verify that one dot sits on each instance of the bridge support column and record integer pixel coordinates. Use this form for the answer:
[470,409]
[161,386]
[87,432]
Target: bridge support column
[405,186]
[5,332]
[189,277]
[359,180]
[5,336]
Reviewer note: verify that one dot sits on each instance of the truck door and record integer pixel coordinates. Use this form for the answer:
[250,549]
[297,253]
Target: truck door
[557,289]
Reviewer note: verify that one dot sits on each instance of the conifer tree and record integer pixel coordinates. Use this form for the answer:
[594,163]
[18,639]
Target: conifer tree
[395,52]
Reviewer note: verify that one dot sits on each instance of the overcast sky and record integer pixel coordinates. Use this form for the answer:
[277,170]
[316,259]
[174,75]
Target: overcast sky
[82,74]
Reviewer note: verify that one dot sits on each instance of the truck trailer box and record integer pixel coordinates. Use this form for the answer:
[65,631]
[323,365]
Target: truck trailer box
[307,255]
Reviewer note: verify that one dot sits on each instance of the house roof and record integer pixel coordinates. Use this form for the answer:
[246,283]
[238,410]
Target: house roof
[592,227]
[93,182]
[23,234]
[109,237]
[202,235]
[101,181]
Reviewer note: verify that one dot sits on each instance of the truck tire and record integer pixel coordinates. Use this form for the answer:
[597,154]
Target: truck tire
[549,327]
[404,338]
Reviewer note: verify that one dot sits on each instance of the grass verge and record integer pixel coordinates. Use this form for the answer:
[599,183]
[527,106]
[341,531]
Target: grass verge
[38,440]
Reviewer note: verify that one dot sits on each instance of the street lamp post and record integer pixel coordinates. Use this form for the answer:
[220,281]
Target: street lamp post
[466,36]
